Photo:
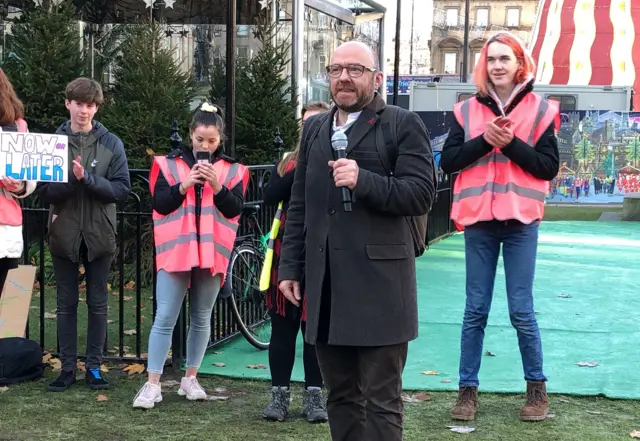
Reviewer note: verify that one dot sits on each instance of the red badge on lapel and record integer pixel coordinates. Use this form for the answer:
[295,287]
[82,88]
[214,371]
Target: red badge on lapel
[371,121]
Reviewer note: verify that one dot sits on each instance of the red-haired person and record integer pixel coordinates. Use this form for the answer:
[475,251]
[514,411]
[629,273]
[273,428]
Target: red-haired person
[11,189]
[503,143]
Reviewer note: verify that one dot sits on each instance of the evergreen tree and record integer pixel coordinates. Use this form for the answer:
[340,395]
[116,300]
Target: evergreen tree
[263,99]
[150,92]
[43,56]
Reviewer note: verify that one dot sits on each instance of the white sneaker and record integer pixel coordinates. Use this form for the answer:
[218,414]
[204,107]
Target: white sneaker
[190,387]
[148,396]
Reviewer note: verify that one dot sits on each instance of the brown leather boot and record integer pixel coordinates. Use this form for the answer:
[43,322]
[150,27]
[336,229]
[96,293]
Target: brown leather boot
[466,405]
[537,406]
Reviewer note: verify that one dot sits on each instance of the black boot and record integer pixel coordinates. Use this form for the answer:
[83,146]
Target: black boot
[64,381]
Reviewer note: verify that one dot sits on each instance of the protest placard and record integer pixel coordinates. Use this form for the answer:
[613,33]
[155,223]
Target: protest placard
[34,156]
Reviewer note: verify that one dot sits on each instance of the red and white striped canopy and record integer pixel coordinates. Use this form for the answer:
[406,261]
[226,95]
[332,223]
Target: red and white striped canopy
[582,42]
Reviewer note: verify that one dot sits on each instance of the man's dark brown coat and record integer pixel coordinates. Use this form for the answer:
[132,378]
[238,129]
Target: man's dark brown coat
[370,250]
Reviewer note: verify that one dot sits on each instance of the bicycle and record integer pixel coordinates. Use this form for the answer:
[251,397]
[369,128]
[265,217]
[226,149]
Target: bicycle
[243,276]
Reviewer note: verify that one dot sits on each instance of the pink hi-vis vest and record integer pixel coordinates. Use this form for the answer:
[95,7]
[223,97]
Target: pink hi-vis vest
[494,187]
[10,210]
[175,235]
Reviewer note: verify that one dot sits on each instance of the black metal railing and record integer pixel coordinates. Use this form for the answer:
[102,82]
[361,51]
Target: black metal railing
[132,282]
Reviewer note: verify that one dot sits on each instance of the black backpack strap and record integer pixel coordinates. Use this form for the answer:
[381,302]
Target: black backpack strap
[388,148]
[389,154]
[316,122]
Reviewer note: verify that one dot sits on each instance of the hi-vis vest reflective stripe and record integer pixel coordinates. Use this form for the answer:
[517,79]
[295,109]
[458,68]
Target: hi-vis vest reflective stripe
[265,275]
[176,236]
[494,187]
[10,210]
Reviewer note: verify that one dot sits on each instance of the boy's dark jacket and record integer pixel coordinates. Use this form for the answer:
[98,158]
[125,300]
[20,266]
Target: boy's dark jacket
[86,210]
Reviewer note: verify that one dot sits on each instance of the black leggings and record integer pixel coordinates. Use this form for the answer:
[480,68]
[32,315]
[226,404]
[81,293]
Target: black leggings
[282,352]
[6,264]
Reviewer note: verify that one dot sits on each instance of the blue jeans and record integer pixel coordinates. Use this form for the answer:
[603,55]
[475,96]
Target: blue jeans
[482,248]
[170,292]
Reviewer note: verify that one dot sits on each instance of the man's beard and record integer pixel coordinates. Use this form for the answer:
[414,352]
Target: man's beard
[361,102]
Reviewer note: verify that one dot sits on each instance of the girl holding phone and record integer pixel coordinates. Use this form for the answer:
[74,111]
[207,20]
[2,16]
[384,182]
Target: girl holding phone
[198,194]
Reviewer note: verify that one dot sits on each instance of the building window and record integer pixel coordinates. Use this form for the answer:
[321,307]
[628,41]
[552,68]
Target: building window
[243,52]
[452,17]
[513,17]
[482,17]
[476,57]
[567,102]
[450,62]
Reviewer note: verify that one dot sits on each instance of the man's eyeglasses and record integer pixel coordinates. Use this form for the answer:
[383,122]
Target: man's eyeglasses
[353,70]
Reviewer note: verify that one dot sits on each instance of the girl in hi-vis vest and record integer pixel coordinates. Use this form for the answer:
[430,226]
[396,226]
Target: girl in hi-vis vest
[198,194]
[288,319]
[11,189]
[503,143]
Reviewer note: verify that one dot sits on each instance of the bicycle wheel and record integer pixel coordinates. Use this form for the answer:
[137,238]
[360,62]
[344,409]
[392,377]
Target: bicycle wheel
[247,302]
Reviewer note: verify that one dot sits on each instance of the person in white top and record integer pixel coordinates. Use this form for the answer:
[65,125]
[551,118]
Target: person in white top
[11,189]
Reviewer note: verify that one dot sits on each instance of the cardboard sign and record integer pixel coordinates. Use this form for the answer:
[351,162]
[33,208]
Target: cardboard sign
[16,300]
[36,157]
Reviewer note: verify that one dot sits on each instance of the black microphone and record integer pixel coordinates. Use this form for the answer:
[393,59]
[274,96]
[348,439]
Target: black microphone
[339,144]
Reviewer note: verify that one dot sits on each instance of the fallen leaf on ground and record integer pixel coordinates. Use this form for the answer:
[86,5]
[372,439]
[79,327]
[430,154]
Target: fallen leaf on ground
[46,358]
[217,353]
[170,383]
[3,389]
[587,363]
[257,366]
[565,296]
[108,287]
[127,298]
[81,269]
[562,400]
[594,412]
[130,332]
[429,372]
[135,368]
[56,364]
[101,398]
[221,390]
[144,356]
[551,415]
[461,429]
[82,299]
[219,364]
[109,322]
[635,434]
[417,398]
[80,366]
[104,369]
[216,398]
[130,285]
[445,381]
[49,315]
[489,354]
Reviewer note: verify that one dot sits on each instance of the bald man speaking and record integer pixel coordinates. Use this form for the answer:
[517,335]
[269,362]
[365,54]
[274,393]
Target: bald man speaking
[359,278]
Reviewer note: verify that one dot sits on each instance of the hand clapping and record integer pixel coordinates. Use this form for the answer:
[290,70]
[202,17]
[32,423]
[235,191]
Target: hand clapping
[498,132]
[78,169]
